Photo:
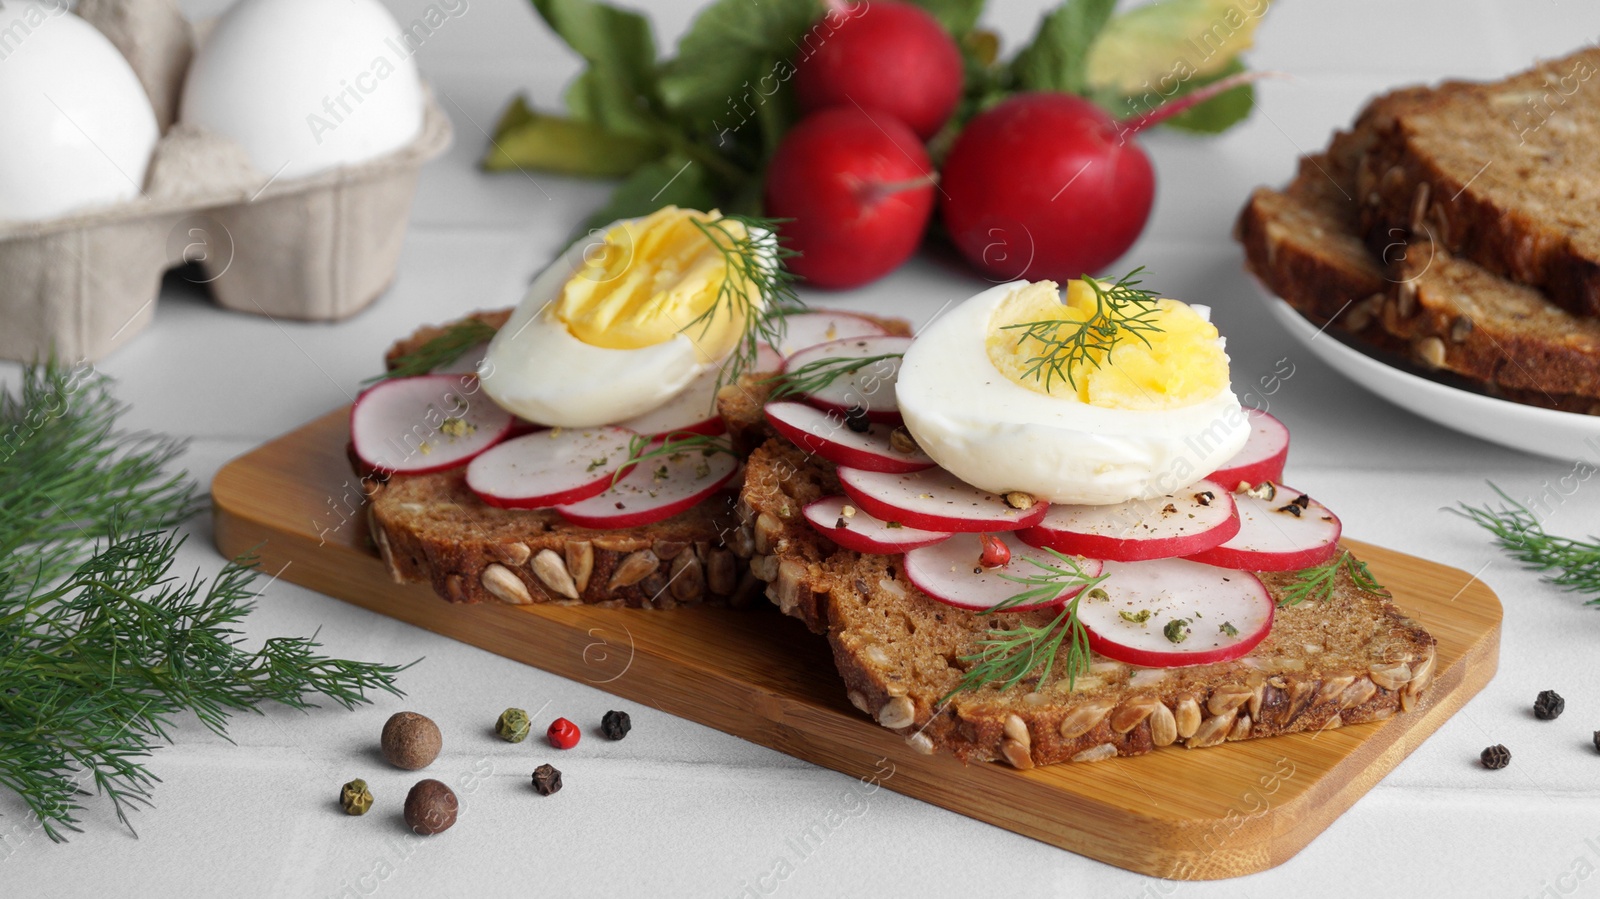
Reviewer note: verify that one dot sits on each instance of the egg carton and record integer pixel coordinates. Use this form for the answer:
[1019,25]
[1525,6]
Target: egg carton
[318,248]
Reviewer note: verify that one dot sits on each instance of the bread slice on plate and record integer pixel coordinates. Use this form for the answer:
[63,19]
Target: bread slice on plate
[1441,314]
[1352,659]
[1504,174]
[432,528]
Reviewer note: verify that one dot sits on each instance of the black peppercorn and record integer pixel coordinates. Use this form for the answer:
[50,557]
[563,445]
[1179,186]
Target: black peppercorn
[1549,706]
[1496,757]
[615,725]
[546,779]
[856,420]
[1597,741]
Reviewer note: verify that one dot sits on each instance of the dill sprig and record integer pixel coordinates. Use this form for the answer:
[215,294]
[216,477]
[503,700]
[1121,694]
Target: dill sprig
[816,375]
[642,448]
[1008,656]
[1318,582]
[453,342]
[758,288]
[1574,565]
[101,645]
[1122,309]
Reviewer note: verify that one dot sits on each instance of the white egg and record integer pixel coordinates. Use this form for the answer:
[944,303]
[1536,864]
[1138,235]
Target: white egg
[535,368]
[1000,436]
[307,85]
[79,129]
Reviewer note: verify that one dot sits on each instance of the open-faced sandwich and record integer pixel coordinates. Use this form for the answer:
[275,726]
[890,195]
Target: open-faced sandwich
[568,451]
[1047,531]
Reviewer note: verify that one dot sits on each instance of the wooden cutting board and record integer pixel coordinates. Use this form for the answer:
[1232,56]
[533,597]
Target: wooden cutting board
[1178,814]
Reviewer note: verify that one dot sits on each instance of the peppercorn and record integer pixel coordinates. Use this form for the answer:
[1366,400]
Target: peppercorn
[1496,757]
[411,741]
[615,725]
[563,734]
[856,420]
[513,725]
[1549,706]
[355,798]
[431,807]
[1597,741]
[546,779]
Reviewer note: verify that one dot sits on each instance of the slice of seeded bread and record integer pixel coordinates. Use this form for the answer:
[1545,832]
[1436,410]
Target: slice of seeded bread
[432,528]
[1504,174]
[1442,315]
[1351,659]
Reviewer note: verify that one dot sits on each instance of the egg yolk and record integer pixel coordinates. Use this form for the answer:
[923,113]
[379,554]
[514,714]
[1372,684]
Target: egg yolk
[653,278]
[1182,363]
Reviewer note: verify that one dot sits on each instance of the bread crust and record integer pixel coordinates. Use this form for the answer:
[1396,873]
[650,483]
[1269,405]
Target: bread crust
[1353,659]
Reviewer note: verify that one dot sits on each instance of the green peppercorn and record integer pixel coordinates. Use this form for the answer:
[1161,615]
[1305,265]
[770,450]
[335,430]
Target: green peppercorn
[513,725]
[355,798]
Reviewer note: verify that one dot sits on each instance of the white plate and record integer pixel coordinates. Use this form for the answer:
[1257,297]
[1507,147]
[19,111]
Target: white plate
[1543,432]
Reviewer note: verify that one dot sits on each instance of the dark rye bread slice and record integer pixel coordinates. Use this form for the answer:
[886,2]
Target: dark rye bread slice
[432,528]
[1352,659]
[1443,316]
[1505,174]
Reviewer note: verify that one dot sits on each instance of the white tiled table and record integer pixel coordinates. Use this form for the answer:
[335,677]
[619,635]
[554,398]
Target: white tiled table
[679,809]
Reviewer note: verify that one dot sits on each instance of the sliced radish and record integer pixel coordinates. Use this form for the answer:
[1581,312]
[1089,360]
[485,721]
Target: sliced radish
[871,388]
[1287,532]
[1174,612]
[935,500]
[807,329]
[426,423]
[1263,455]
[949,572]
[851,528]
[548,468]
[655,490]
[827,435]
[767,359]
[1190,521]
[693,411]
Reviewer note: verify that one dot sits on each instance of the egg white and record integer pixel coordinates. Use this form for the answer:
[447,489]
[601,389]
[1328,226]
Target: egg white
[1001,436]
[537,369]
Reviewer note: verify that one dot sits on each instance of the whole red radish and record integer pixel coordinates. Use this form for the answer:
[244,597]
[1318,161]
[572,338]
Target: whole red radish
[858,189]
[881,55]
[1049,185]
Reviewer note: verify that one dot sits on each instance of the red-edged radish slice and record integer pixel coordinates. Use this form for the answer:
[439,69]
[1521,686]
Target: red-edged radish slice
[807,329]
[767,359]
[692,411]
[827,435]
[426,423]
[833,517]
[1262,457]
[1212,614]
[1195,519]
[949,572]
[655,490]
[549,468]
[935,500]
[1288,532]
[871,388]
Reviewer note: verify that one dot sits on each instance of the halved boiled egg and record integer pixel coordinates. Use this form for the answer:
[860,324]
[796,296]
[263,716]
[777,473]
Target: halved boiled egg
[991,395]
[616,328]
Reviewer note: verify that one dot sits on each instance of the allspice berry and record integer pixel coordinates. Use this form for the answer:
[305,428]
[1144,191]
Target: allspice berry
[355,798]
[431,807]
[411,741]
[513,725]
